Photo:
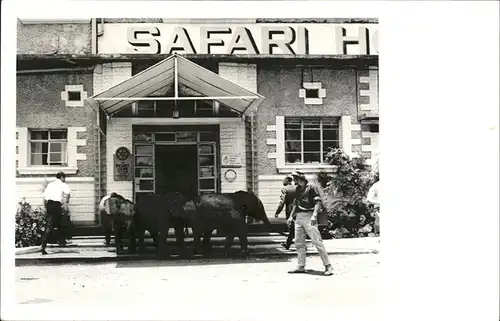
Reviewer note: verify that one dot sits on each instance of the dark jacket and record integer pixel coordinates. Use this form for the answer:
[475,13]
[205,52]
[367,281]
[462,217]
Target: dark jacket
[286,199]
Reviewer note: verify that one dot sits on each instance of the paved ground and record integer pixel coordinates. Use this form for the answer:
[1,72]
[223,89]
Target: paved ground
[202,289]
[84,250]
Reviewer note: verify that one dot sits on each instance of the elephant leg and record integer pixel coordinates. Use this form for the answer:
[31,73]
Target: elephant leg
[162,242]
[197,233]
[117,226]
[228,243]
[179,235]
[243,236]
[139,229]
[132,246]
[207,235]
[107,229]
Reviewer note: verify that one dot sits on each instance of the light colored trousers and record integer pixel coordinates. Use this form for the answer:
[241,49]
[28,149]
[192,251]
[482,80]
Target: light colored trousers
[303,227]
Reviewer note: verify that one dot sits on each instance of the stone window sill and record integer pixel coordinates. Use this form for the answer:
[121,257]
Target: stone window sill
[307,168]
[46,170]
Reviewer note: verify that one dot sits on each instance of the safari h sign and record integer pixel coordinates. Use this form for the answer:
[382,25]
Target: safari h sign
[123,164]
[240,39]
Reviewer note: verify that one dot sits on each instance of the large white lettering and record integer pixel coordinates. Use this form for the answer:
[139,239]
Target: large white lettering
[269,42]
[151,46]
[255,39]
[242,41]
[180,42]
[206,40]
[343,40]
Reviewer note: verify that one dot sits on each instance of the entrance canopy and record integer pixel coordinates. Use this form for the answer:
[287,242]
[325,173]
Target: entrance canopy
[177,78]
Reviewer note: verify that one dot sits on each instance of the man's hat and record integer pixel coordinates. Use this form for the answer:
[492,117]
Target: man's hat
[298,174]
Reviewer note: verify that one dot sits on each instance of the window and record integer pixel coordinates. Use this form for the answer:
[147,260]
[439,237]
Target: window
[74,96]
[374,128]
[307,140]
[48,147]
[312,93]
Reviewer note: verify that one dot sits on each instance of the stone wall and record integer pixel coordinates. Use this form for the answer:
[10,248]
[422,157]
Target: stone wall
[40,105]
[281,86]
[49,39]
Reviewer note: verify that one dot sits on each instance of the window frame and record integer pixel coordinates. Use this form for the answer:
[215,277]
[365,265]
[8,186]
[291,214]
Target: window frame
[49,141]
[321,141]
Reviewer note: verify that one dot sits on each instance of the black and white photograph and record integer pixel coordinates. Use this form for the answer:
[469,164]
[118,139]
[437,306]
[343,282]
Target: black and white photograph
[176,165]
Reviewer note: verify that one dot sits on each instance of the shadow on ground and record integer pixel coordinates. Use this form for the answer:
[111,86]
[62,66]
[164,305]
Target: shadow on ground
[212,260]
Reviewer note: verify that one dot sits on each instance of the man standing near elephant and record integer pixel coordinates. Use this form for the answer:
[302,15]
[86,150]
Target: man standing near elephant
[105,213]
[305,210]
[286,201]
[56,199]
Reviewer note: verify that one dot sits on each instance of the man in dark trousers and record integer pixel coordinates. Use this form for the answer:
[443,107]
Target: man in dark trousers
[56,198]
[286,201]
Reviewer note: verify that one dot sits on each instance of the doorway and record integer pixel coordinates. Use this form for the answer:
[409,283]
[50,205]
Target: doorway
[176,169]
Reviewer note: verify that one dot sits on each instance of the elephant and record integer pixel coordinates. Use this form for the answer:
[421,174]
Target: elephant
[227,213]
[157,214]
[117,214]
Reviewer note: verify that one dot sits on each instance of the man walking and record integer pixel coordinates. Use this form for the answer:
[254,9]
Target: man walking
[286,201]
[307,204]
[56,198]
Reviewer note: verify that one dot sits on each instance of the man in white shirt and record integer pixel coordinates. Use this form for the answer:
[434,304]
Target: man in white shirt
[106,216]
[56,197]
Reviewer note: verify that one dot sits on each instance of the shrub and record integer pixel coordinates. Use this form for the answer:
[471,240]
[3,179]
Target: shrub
[349,214]
[30,225]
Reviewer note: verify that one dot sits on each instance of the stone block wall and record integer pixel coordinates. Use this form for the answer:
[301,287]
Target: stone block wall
[39,106]
[67,38]
[281,86]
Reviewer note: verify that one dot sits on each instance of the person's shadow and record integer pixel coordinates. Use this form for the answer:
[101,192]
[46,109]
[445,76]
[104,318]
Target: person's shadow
[316,272]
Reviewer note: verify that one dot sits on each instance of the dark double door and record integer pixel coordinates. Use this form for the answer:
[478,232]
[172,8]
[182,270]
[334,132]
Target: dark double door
[176,169]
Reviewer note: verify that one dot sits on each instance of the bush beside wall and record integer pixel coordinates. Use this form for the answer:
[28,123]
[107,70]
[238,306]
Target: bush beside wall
[30,225]
[349,214]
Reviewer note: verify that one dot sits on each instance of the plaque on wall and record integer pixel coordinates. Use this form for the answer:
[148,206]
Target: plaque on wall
[231,160]
[123,164]
[230,175]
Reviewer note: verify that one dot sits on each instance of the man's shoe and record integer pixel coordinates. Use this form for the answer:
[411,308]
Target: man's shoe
[329,270]
[285,246]
[297,270]
[43,252]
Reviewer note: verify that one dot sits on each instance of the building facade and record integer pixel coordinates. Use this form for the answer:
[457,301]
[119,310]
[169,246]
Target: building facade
[140,106]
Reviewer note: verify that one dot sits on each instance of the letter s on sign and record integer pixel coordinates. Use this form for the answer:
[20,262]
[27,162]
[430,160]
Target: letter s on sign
[151,46]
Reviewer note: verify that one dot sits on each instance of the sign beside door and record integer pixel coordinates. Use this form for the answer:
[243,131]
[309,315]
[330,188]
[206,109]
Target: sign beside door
[231,160]
[123,164]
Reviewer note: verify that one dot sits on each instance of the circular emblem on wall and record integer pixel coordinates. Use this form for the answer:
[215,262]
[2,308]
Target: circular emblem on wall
[230,175]
[122,153]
